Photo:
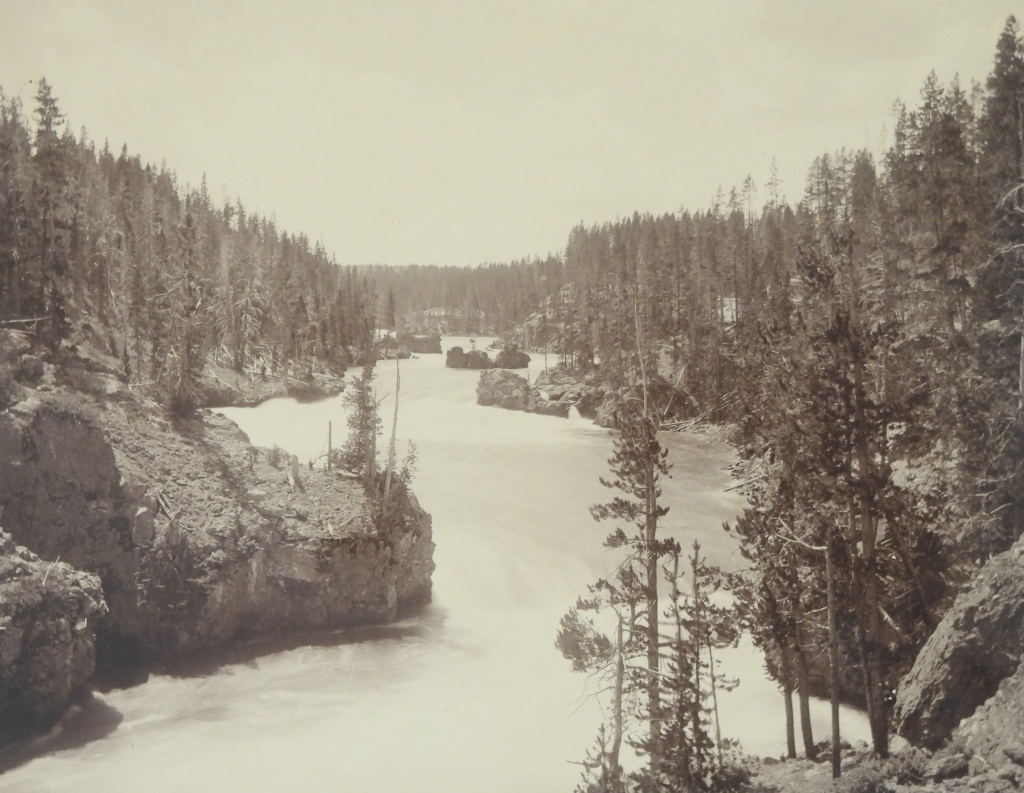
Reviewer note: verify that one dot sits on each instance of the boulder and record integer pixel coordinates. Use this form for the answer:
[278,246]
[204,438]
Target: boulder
[605,414]
[47,641]
[976,646]
[512,358]
[457,358]
[503,389]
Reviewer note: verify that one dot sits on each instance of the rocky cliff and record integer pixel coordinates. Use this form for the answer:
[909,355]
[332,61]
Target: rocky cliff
[973,657]
[196,537]
[48,614]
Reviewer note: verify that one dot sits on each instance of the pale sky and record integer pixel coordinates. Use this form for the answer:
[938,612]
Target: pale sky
[466,131]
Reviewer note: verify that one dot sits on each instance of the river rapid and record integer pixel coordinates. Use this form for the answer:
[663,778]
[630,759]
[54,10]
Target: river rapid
[467,696]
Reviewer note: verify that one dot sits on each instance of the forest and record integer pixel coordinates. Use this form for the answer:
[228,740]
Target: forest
[866,346]
[865,343]
[162,276]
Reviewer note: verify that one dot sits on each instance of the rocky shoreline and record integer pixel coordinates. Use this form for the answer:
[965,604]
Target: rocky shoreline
[183,537]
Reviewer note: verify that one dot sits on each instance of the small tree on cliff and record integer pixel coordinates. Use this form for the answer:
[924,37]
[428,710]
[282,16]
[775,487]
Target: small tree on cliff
[359,454]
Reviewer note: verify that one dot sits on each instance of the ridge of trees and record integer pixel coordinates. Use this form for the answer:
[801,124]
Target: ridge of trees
[166,277]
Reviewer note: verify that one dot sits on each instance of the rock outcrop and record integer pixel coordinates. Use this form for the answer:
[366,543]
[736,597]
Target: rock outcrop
[976,648]
[457,358]
[198,538]
[501,388]
[48,614]
[580,392]
[512,357]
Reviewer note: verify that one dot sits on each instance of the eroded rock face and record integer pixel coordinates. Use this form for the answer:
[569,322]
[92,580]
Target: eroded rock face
[47,640]
[977,645]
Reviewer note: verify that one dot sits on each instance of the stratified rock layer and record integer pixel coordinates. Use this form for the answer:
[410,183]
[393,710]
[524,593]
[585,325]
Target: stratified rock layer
[977,645]
[47,643]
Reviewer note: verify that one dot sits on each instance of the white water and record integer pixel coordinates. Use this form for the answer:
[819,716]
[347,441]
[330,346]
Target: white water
[469,696]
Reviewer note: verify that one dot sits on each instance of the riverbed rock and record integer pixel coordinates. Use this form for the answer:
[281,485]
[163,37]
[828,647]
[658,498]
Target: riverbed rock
[975,648]
[555,393]
[457,358]
[501,388]
[582,391]
[512,357]
[48,613]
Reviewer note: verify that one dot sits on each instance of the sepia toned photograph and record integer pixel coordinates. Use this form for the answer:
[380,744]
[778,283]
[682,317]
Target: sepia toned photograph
[561,396]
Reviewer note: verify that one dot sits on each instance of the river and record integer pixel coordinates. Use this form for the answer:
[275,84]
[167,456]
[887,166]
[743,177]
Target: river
[469,695]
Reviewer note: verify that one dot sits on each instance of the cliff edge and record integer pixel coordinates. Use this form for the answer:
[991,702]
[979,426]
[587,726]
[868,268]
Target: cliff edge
[196,537]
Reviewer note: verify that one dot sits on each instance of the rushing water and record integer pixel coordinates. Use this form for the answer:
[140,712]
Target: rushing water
[468,696]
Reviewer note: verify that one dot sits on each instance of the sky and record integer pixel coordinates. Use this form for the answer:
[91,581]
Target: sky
[466,131]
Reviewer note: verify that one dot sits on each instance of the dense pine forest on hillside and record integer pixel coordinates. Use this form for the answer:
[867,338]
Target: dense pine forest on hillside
[164,276]
[865,343]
